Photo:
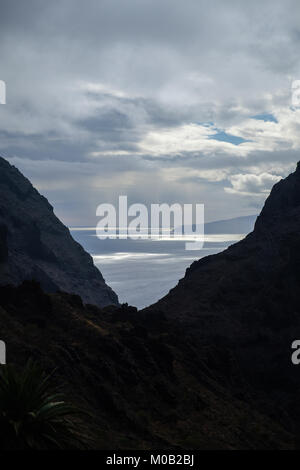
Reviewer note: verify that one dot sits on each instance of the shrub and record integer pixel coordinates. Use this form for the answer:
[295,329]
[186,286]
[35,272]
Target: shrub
[33,415]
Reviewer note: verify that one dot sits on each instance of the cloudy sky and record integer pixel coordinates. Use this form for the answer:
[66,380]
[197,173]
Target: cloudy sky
[162,100]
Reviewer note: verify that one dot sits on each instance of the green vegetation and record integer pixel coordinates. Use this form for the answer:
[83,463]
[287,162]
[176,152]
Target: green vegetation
[32,414]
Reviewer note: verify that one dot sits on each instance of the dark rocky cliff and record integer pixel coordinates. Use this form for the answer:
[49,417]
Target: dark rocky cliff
[34,244]
[207,367]
[243,305]
[261,273]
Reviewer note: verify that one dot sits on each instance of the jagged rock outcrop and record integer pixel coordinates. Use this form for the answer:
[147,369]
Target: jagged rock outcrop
[34,244]
[242,306]
[260,272]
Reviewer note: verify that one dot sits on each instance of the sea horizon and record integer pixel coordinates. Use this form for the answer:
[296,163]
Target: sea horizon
[143,271]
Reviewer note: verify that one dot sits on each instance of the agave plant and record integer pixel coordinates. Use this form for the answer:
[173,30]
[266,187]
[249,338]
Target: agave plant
[33,415]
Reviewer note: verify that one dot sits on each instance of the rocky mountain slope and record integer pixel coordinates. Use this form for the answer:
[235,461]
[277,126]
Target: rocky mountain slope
[207,367]
[34,244]
[139,378]
[242,305]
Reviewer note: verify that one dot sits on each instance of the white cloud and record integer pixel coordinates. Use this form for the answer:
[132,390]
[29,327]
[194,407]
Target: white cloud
[251,184]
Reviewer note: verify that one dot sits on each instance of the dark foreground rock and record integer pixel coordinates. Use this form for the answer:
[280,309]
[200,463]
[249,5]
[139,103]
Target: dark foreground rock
[141,380]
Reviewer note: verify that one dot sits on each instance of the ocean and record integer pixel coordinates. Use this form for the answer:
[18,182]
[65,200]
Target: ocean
[143,271]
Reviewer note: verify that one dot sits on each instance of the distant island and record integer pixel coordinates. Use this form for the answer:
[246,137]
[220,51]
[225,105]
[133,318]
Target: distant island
[237,225]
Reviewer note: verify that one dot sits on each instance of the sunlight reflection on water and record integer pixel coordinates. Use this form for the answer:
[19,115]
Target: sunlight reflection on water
[142,271]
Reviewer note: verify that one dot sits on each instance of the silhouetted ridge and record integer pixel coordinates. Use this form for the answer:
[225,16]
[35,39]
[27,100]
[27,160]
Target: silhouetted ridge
[284,197]
[244,302]
[34,244]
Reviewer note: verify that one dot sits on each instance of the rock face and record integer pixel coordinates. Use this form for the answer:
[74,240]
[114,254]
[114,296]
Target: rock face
[259,273]
[207,367]
[242,306]
[34,244]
